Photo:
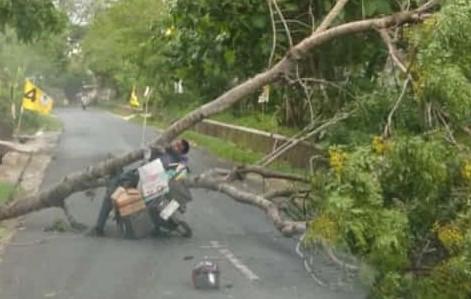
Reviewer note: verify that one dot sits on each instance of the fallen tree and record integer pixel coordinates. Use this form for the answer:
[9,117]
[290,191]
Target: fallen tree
[56,195]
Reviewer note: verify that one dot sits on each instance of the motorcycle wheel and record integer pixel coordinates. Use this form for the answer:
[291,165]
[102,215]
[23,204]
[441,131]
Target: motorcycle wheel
[183,228]
[125,228]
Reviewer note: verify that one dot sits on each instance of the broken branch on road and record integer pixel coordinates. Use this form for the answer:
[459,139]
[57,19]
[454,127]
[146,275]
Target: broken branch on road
[286,227]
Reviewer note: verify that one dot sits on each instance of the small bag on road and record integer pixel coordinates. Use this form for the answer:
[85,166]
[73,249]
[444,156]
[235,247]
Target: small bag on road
[206,275]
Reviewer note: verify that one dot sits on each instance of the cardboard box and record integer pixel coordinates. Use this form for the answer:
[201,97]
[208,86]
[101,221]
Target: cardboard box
[127,201]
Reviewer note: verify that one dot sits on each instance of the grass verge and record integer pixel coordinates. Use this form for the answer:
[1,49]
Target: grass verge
[232,152]
[222,148]
[32,122]
[5,191]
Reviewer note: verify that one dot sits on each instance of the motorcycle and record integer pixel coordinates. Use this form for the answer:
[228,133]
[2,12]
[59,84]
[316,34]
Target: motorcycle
[161,197]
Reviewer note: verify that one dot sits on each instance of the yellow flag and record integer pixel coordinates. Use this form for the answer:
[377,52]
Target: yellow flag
[35,99]
[133,100]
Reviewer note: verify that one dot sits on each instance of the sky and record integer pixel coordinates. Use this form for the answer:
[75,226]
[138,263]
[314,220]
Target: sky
[81,12]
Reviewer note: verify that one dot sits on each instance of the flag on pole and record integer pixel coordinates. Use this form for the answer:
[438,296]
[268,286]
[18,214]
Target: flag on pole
[133,99]
[35,99]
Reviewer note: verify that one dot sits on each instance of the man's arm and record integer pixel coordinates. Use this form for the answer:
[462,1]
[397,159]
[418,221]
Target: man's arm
[129,179]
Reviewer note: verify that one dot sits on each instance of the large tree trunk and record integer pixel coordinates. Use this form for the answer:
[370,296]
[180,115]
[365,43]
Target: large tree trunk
[55,195]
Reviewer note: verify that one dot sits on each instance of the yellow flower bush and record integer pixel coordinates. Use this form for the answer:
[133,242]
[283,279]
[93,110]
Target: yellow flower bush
[450,236]
[337,159]
[466,171]
[324,228]
[379,145]
[451,273]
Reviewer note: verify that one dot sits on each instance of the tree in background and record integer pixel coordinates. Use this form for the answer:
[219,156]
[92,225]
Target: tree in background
[37,41]
[31,19]
[115,45]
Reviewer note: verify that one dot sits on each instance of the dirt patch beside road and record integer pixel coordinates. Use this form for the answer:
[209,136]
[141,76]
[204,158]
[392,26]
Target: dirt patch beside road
[25,172]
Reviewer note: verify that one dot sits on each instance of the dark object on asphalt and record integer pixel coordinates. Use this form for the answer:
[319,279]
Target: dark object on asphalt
[206,275]
[188,257]
[58,225]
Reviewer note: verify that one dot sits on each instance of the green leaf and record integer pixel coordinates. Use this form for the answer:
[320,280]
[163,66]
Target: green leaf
[230,57]
[376,7]
[259,21]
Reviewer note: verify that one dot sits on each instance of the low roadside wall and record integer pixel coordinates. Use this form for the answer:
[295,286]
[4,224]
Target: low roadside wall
[259,141]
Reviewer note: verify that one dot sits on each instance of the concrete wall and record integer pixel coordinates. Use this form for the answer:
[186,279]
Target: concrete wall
[259,141]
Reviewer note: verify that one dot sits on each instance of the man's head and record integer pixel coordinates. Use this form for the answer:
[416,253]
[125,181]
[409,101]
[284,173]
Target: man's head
[181,146]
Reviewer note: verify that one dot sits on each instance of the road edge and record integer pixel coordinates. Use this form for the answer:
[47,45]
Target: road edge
[45,144]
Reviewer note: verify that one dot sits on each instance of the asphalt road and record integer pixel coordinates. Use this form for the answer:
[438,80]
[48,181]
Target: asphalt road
[256,262]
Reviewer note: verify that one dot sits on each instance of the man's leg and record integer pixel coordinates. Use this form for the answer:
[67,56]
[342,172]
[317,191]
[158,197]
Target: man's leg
[106,207]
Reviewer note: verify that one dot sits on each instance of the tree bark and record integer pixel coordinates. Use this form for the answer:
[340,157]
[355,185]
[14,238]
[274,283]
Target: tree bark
[18,147]
[332,15]
[54,196]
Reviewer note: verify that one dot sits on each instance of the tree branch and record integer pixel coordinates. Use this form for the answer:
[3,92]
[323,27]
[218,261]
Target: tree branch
[18,147]
[330,253]
[279,193]
[285,25]
[449,132]
[54,196]
[286,227]
[387,128]
[334,12]
[273,49]
[337,118]
[428,6]
[286,143]
[392,50]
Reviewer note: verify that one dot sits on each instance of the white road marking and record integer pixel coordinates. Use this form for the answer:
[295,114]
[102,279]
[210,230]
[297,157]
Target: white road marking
[249,274]
[125,117]
[128,117]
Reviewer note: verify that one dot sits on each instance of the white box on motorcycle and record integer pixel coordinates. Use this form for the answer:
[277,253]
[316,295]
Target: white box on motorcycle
[206,275]
[153,180]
